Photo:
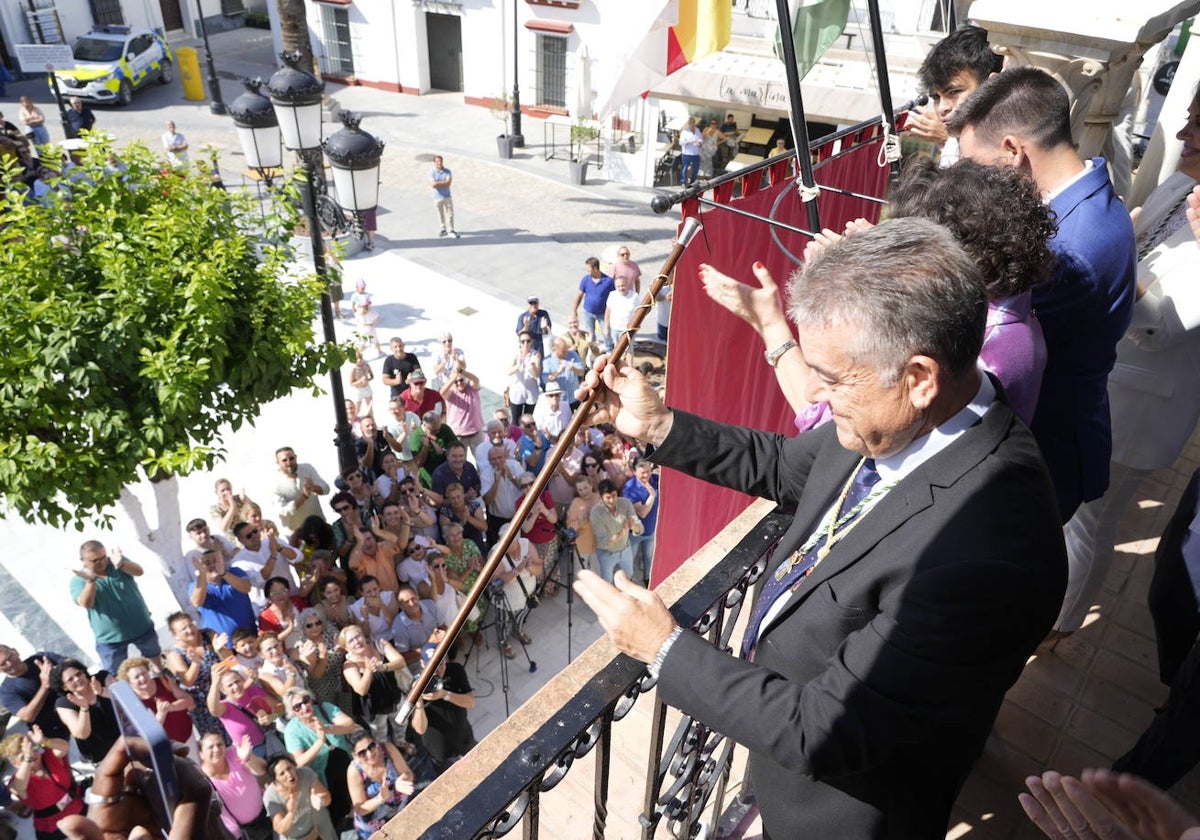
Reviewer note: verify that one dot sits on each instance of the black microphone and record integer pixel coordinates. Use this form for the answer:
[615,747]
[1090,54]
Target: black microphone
[913,103]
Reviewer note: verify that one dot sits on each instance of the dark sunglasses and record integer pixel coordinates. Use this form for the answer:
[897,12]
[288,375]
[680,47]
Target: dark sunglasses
[313,623]
[301,703]
[367,750]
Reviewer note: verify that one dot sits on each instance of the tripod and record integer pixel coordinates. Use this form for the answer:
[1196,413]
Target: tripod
[504,622]
[562,572]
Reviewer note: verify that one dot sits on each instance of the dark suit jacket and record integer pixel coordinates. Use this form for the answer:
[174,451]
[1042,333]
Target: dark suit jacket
[874,691]
[1084,311]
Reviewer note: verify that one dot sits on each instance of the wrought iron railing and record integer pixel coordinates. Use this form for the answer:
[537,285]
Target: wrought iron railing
[507,779]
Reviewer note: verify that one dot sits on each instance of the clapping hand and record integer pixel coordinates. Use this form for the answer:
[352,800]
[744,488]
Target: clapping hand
[404,784]
[45,669]
[244,749]
[1103,804]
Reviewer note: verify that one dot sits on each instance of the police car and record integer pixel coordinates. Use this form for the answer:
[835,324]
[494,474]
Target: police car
[112,61]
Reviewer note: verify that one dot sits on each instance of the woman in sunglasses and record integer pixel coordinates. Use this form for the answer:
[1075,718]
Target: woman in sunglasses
[322,659]
[315,736]
[380,783]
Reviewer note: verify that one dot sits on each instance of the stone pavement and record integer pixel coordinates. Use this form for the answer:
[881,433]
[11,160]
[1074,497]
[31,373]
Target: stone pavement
[525,230]
[1086,702]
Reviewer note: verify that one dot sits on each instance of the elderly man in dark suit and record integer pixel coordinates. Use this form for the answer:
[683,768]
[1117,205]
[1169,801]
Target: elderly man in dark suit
[924,564]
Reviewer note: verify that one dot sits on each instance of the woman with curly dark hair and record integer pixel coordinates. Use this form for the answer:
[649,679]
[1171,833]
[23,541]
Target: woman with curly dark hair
[998,217]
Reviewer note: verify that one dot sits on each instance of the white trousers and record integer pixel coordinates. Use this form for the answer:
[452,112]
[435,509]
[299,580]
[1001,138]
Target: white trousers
[1090,535]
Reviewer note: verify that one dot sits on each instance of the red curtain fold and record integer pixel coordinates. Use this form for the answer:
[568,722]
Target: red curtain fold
[716,361]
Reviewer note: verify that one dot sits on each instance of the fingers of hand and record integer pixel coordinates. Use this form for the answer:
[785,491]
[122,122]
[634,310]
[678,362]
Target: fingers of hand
[764,277]
[1053,824]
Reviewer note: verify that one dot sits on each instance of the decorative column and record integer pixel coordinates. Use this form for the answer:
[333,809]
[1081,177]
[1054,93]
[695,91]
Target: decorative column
[1093,47]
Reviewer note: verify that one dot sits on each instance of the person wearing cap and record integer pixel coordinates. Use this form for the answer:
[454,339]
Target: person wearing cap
[564,366]
[419,399]
[552,414]
[536,322]
[429,443]
[440,717]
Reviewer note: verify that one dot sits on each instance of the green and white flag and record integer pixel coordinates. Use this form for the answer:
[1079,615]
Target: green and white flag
[816,24]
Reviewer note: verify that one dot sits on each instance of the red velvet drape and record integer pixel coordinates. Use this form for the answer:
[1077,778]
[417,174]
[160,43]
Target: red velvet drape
[716,366]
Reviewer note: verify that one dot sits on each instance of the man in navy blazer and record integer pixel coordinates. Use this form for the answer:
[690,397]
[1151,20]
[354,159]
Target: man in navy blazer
[1021,118]
[874,677]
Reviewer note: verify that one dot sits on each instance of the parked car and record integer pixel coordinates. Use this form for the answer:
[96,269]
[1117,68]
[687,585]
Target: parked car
[111,62]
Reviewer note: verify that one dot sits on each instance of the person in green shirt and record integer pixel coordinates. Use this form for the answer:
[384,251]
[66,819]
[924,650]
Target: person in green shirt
[105,585]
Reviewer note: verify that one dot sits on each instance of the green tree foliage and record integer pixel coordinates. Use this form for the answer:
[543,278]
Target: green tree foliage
[143,311]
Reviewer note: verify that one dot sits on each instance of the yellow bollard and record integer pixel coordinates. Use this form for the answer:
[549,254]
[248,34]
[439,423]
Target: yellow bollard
[189,72]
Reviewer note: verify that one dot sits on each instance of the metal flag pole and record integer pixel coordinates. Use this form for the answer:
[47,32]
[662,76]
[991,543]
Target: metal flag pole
[881,72]
[808,183]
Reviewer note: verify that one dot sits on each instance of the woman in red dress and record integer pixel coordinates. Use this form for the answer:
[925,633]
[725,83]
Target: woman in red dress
[162,696]
[43,780]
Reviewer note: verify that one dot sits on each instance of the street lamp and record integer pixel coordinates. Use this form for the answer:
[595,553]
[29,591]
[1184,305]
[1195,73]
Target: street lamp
[295,113]
[518,139]
[355,157]
[216,102]
[258,129]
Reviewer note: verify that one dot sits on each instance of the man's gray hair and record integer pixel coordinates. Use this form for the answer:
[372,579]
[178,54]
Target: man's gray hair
[910,289]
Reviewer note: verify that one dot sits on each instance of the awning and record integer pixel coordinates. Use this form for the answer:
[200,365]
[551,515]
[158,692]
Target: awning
[839,91]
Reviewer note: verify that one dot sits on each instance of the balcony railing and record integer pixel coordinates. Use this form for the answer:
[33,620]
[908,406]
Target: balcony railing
[640,776]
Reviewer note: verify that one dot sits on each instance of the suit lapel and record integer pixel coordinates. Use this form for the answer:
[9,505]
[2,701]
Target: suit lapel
[903,502]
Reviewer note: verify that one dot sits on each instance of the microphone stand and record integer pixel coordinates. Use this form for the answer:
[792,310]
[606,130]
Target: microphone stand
[691,227]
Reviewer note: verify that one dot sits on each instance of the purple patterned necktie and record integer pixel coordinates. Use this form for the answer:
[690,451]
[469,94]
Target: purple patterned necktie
[864,480]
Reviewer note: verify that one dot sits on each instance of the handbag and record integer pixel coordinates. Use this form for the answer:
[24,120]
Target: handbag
[520,591]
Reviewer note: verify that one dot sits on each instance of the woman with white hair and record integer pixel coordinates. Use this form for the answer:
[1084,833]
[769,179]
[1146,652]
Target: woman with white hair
[447,361]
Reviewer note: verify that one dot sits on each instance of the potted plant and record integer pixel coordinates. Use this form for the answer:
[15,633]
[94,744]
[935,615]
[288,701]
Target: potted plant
[582,133]
[501,107]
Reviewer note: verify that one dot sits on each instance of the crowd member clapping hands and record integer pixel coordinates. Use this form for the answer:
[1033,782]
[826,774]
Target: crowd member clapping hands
[1103,804]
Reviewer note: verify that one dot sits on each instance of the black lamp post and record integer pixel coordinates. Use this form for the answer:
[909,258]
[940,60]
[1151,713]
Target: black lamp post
[295,113]
[216,101]
[518,139]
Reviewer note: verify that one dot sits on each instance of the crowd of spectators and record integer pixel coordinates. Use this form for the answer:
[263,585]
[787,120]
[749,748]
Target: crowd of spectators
[305,631]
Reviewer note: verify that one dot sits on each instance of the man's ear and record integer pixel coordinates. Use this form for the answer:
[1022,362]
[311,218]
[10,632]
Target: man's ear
[1012,150]
[921,381]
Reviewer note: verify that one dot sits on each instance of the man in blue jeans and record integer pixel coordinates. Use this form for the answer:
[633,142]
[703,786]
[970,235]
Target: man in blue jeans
[104,585]
[593,294]
[642,492]
[615,524]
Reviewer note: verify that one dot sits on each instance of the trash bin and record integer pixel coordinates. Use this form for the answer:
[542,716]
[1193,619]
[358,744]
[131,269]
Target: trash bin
[189,71]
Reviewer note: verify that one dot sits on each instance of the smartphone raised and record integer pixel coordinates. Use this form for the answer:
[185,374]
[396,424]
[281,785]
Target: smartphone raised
[146,742]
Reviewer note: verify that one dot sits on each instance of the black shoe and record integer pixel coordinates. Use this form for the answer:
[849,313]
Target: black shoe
[441,233]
